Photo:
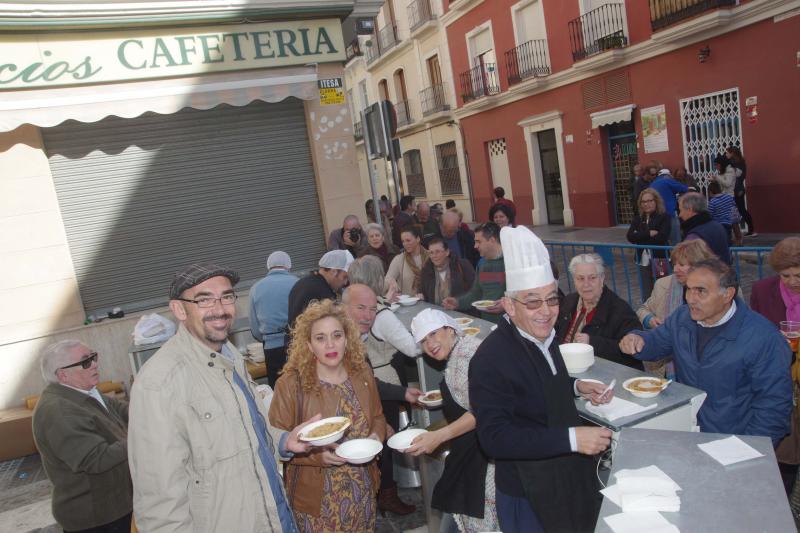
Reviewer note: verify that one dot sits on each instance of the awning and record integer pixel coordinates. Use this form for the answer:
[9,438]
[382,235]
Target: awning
[49,107]
[610,116]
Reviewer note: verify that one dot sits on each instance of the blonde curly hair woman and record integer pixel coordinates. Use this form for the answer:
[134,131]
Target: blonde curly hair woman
[327,373]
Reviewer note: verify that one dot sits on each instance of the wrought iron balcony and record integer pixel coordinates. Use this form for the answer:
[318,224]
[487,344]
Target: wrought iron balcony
[373,51]
[664,13]
[433,99]
[353,49]
[527,60]
[358,131]
[419,12]
[481,80]
[598,30]
[387,38]
[403,112]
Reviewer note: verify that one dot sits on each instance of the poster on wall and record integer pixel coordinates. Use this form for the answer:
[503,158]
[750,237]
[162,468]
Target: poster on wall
[654,129]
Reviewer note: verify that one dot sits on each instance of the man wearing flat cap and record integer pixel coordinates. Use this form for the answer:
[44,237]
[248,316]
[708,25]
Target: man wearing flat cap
[200,452]
[322,284]
[523,400]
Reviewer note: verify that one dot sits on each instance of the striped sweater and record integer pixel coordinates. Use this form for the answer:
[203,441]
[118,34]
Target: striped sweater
[490,284]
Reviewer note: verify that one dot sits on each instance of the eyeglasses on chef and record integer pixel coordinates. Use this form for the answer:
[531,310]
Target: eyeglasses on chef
[533,305]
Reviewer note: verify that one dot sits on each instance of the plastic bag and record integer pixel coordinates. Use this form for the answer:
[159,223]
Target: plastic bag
[153,328]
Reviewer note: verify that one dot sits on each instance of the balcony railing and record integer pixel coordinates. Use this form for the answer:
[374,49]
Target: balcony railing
[433,99]
[403,112]
[527,60]
[353,49]
[481,80]
[664,13]
[598,30]
[358,130]
[419,12]
[373,51]
[387,37]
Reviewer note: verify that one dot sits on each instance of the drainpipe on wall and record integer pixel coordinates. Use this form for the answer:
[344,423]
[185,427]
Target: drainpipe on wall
[466,166]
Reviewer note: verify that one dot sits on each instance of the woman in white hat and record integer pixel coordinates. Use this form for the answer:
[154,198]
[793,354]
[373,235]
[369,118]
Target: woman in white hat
[466,488]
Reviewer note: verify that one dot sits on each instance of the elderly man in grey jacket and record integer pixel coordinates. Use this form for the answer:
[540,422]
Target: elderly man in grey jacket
[201,454]
[82,438]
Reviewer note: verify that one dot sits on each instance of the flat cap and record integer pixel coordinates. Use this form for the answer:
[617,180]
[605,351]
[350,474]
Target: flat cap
[196,274]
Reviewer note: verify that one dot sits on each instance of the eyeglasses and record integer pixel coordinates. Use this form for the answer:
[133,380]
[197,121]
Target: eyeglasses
[648,201]
[83,363]
[209,301]
[533,305]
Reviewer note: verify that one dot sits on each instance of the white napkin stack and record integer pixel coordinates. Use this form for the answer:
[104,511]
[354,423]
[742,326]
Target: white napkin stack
[651,522]
[641,493]
[618,408]
[730,450]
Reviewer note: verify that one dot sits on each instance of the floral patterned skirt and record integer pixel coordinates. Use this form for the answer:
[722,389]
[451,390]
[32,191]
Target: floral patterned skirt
[348,497]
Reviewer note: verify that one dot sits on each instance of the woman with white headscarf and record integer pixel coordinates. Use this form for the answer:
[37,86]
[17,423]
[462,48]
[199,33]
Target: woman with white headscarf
[466,489]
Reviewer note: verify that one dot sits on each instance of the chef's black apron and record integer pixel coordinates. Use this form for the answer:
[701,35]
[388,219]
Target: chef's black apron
[563,491]
[462,487]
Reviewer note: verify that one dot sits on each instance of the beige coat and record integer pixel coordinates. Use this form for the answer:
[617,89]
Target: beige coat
[191,444]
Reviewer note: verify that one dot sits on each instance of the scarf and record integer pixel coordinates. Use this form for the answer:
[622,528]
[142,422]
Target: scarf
[792,302]
[442,286]
[583,315]
[416,270]
[698,219]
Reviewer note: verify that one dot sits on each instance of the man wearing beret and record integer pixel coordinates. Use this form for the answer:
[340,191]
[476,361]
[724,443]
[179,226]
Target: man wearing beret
[200,452]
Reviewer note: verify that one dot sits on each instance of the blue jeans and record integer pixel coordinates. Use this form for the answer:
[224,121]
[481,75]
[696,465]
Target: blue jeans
[674,230]
[515,514]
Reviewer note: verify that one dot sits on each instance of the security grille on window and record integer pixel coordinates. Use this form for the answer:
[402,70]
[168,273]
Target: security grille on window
[710,123]
[449,176]
[414,174]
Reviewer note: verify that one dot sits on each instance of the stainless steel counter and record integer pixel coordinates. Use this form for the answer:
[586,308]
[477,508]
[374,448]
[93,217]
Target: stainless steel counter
[744,497]
[676,409]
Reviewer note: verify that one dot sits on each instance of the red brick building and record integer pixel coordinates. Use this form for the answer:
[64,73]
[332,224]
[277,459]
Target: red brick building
[558,99]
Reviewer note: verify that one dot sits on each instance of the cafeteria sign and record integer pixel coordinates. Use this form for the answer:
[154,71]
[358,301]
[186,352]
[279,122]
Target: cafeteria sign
[330,91]
[51,60]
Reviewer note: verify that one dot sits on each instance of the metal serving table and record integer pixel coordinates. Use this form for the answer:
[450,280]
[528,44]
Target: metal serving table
[677,405]
[743,497]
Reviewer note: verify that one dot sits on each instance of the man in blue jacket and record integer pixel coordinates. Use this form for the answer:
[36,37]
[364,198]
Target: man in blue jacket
[668,188]
[723,348]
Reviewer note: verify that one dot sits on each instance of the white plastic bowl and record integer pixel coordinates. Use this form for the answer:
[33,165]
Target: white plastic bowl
[464,321]
[578,357]
[430,403]
[402,441]
[408,300]
[642,394]
[324,439]
[359,451]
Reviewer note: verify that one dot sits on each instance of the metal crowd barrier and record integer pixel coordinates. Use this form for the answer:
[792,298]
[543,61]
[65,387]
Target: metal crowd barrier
[624,277]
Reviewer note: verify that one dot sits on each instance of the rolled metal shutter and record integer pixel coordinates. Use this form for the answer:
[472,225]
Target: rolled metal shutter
[143,197]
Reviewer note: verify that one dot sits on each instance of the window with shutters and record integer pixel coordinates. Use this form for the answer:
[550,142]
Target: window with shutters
[610,89]
[449,175]
[415,177]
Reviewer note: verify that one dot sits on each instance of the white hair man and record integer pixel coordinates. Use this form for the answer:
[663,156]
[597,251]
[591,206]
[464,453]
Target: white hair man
[269,311]
[524,404]
[82,438]
[594,314]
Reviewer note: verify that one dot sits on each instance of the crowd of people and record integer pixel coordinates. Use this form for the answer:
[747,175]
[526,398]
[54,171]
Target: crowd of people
[198,448]
[669,208]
